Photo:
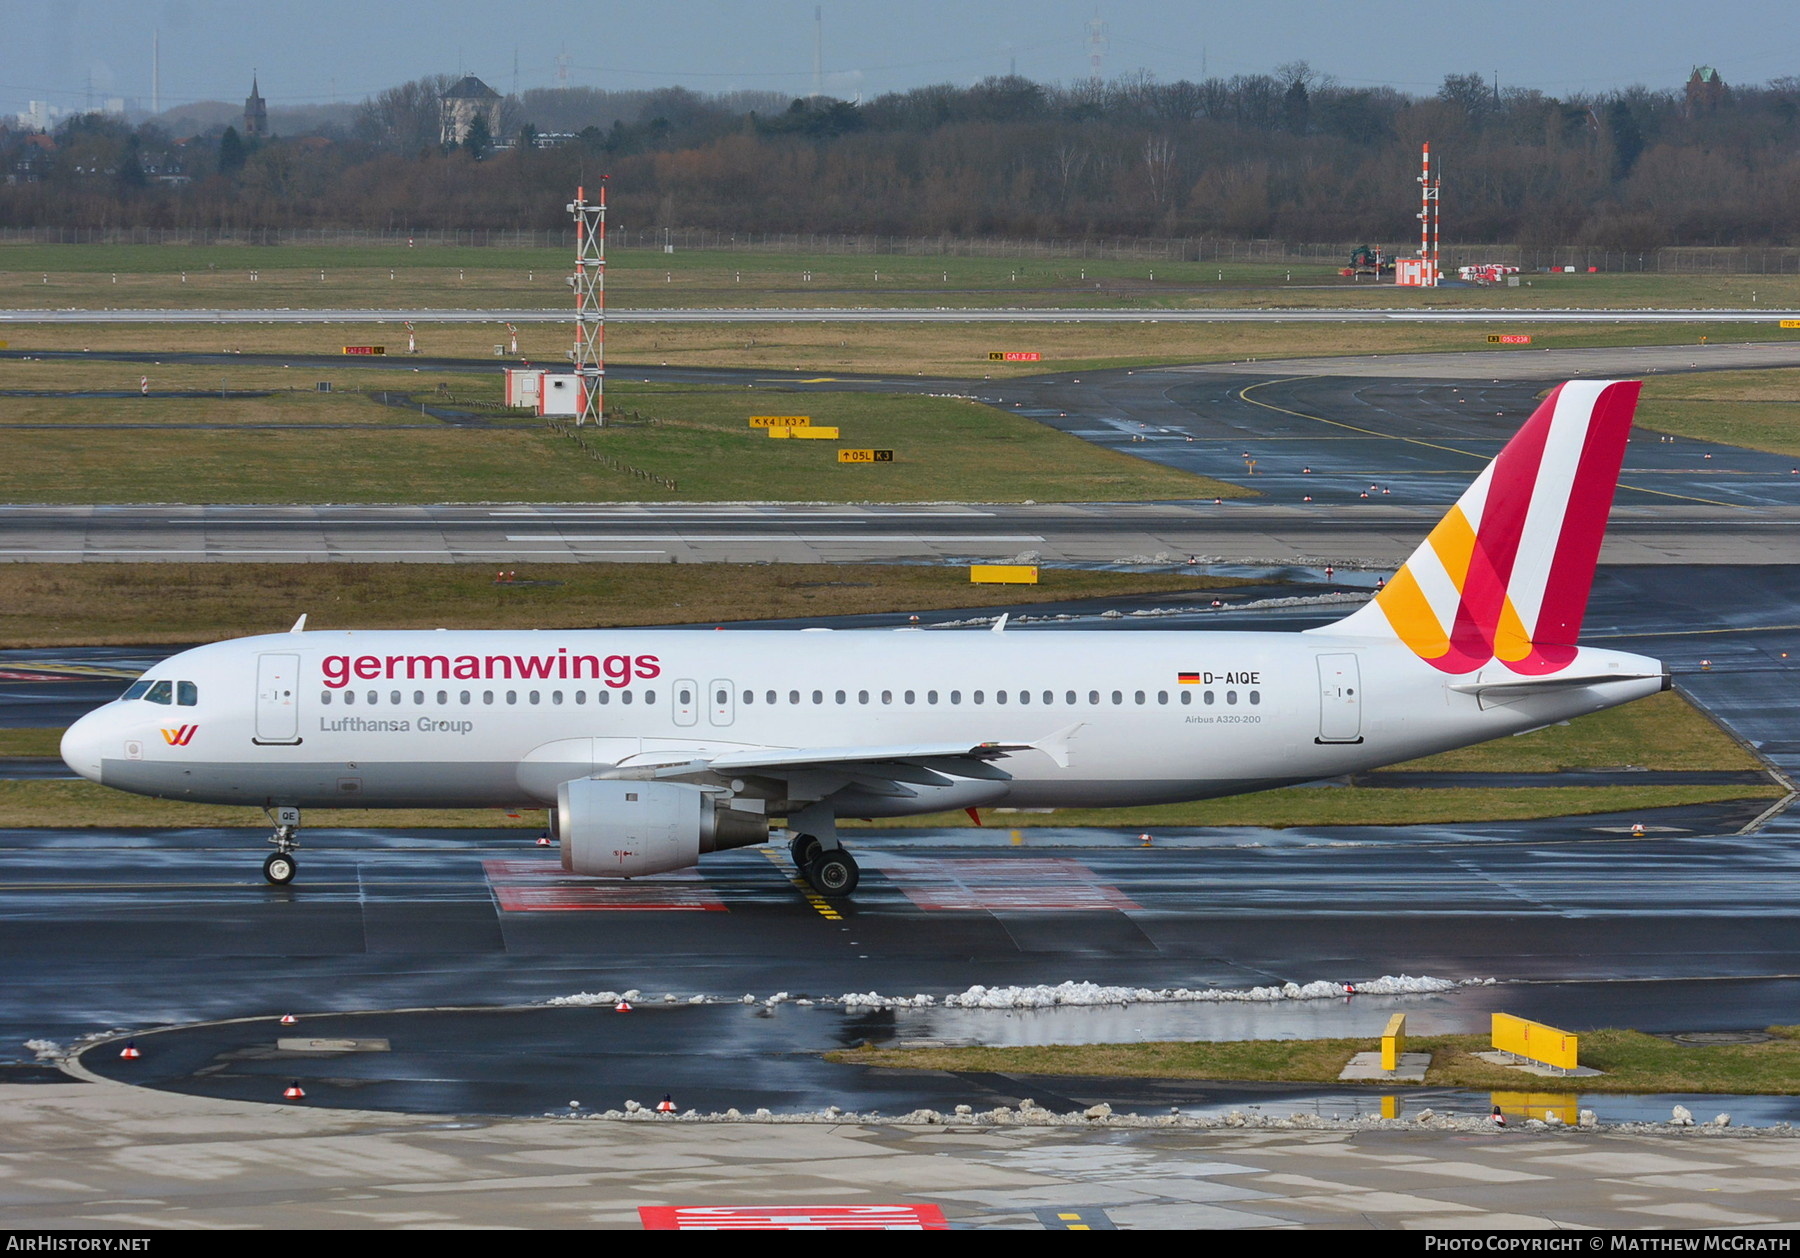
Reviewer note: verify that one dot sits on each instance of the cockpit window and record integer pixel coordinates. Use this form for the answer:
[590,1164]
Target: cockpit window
[187,694]
[136,690]
[160,692]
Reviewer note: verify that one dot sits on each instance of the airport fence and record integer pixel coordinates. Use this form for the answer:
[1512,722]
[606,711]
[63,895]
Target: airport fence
[1672,259]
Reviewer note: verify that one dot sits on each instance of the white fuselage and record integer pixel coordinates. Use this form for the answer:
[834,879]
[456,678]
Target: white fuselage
[492,719]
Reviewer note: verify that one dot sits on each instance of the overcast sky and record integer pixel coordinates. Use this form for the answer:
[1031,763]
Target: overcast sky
[349,49]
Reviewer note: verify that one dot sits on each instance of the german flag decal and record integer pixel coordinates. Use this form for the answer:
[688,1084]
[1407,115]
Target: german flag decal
[1188,679]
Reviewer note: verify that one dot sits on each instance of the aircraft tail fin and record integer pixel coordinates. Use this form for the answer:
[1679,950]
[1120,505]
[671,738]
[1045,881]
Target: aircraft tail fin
[1505,575]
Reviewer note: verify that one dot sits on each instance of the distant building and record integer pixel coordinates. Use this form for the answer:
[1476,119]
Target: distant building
[1706,91]
[256,114]
[459,107]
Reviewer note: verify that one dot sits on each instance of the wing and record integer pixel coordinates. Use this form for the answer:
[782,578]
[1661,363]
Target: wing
[816,772]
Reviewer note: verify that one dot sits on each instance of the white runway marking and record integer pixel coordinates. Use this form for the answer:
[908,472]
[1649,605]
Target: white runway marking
[775,537]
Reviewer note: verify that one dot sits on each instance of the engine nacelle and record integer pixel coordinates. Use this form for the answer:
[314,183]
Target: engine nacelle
[624,829]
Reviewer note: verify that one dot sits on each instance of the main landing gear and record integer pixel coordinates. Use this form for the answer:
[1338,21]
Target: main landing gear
[281,866]
[814,848]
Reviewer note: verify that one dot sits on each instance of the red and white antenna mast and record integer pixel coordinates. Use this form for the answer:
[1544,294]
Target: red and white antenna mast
[589,283]
[1428,219]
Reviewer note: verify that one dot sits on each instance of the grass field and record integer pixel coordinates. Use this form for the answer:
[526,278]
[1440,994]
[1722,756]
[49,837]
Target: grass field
[395,277]
[953,350]
[1759,410]
[31,804]
[1633,1062]
[113,604]
[946,449]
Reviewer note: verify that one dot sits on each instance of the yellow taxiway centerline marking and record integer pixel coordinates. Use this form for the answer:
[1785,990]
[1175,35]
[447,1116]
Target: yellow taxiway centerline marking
[1244,396]
[819,902]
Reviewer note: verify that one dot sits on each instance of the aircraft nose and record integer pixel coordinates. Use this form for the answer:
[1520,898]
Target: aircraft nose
[83,743]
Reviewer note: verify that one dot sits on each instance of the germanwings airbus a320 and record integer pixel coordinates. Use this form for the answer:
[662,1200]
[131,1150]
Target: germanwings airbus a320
[653,747]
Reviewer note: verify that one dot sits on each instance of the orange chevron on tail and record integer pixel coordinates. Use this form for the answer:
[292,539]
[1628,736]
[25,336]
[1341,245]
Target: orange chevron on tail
[1506,574]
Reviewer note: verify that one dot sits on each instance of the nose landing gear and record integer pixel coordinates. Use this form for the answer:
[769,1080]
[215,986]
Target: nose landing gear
[281,866]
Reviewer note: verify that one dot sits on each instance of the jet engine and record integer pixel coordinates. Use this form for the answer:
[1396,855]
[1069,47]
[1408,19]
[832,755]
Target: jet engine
[625,829]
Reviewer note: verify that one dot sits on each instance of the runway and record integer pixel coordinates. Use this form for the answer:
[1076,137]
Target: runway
[900,314]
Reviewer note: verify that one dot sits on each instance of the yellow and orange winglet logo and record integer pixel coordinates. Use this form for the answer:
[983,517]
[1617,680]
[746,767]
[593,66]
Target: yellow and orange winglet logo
[181,736]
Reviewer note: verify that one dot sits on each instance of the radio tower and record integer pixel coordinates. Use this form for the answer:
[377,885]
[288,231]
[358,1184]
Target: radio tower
[589,283]
[1428,219]
[1096,42]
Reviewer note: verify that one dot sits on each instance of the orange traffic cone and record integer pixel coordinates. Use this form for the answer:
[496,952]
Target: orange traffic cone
[666,1105]
[288,1019]
[624,1006]
[130,1051]
[294,1092]
[543,840]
